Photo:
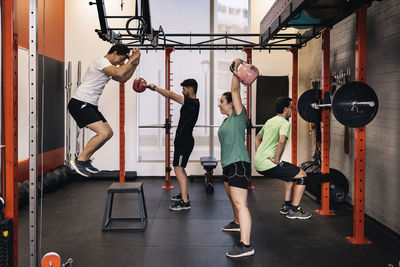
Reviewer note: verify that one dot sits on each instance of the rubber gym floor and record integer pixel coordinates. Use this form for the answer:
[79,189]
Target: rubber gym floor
[72,219]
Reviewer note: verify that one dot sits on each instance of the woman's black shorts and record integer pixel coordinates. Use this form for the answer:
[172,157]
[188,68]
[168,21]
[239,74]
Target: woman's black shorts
[84,113]
[284,171]
[237,174]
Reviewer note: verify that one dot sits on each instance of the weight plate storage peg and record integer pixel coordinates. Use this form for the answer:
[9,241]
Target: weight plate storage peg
[355,104]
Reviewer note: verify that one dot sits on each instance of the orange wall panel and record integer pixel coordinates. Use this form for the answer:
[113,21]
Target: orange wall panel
[51,160]
[54,27]
[22,15]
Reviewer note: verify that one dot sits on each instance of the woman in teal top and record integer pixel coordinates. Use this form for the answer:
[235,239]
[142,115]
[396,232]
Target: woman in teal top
[236,166]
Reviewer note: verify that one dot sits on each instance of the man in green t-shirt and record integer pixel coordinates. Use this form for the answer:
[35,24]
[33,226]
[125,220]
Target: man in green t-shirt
[270,144]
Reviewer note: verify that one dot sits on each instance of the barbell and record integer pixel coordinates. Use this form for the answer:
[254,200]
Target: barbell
[354,104]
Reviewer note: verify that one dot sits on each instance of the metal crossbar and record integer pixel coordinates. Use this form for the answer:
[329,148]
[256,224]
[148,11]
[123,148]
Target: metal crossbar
[139,36]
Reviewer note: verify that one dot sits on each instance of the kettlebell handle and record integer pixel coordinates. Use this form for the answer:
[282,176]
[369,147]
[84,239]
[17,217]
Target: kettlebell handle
[232,67]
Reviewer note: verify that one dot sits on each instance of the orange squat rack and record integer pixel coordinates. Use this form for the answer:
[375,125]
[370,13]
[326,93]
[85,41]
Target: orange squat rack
[359,134]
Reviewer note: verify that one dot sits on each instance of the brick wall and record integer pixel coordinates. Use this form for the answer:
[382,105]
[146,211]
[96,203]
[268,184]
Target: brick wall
[383,133]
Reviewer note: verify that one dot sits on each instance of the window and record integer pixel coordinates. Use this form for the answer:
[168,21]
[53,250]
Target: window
[177,18]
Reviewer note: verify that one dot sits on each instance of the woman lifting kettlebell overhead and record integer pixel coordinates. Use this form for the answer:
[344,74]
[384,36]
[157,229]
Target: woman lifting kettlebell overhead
[235,159]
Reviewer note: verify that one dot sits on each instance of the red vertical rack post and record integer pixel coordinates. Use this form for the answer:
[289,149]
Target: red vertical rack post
[168,51]
[10,89]
[122,132]
[326,88]
[295,91]
[359,133]
[248,51]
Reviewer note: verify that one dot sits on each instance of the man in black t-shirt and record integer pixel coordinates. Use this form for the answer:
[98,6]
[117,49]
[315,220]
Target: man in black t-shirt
[184,141]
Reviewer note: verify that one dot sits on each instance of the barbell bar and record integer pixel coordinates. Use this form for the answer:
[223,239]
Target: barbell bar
[174,126]
[151,126]
[353,104]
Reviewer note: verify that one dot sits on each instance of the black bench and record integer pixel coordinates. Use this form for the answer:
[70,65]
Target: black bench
[209,164]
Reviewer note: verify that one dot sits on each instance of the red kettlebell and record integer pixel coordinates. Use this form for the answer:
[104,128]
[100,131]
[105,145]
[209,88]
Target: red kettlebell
[139,85]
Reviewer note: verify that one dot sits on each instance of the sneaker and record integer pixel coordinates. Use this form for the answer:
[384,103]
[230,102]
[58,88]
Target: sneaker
[181,205]
[240,251]
[79,167]
[285,209]
[299,214]
[231,227]
[177,198]
[89,167]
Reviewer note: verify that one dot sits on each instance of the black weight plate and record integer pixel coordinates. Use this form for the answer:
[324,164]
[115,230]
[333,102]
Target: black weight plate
[343,109]
[318,169]
[302,164]
[315,168]
[304,105]
[312,167]
[337,195]
[339,179]
[305,165]
[315,190]
[339,187]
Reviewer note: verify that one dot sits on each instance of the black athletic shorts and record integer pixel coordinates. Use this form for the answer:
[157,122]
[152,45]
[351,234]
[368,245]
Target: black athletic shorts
[84,113]
[284,171]
[237,174]
[183,147]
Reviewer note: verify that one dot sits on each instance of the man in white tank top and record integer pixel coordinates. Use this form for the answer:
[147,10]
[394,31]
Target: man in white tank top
[83,105]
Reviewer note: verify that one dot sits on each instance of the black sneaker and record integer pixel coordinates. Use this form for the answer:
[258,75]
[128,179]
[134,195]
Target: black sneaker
[181,205]
[79,167]
[299,214]
[240,251]
[89,167]
[177,198]
[285,209]
[231,227]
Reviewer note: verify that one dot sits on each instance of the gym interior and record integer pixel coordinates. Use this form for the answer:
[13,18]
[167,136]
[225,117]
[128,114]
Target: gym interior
[339,62]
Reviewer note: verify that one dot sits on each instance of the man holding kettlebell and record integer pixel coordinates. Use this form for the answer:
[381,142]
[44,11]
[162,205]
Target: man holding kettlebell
[184,141]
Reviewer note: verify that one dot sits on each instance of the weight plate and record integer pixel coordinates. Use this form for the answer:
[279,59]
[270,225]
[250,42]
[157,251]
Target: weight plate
[307,164]
[314,168]
[339,187]
[304,105]
[354,115]
[339,179]
[337,195]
